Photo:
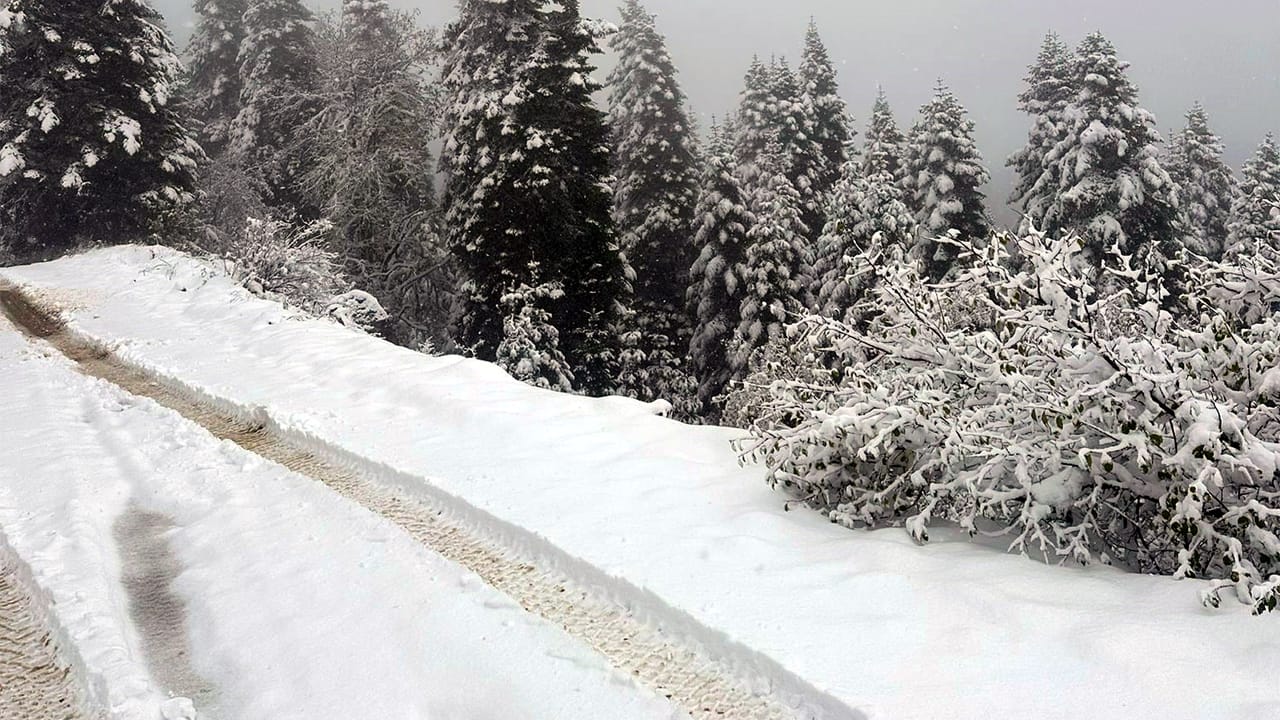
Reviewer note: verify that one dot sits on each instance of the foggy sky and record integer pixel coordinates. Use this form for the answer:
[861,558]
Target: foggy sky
[1225,54]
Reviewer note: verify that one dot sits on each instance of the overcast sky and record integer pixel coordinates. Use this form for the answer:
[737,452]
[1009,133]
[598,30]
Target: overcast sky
[1224,53]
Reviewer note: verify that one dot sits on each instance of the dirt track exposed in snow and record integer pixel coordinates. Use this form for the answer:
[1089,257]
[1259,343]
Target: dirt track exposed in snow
[697,684]
[35,682]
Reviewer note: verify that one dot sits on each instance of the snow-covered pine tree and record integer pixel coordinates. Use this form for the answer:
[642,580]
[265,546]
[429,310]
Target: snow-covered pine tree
[1207,188]
[777,255]
[757,121]
[654,163]
[944,173]
[717,279]
[92,148]
[214,70]
[278,84]
[364,154]
[865,218]
[527,159]
[803,154]
[1255,216]
[832,127]
[883,148]
[1050,90]
[1114,192]
[530,347]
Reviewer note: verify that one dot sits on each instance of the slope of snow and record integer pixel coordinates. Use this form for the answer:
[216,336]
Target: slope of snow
[854,622]
[298,604]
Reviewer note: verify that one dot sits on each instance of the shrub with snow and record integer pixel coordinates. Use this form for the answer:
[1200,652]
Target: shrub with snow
[276,259]
[1022,403]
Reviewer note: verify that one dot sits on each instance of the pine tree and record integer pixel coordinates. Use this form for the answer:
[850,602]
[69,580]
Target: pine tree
[866,217]
[802,153]
[92,148]
[757,122]
[945,174]
[654,162]
[1207,189]
[776,257]
[1113,191]
[364,156]
[883,148]
[718,276]
[530,347]
[1255,216]
[214,70]
[279,82]
[831,125]
[1050,90]
[526,159]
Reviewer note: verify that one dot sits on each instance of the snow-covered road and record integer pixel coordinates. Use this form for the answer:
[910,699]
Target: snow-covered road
[658,518]
[177,564]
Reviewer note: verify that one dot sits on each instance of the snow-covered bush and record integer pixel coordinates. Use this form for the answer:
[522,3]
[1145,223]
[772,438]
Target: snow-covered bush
[275,258]
[357,309]
[1023,403]
[530,348]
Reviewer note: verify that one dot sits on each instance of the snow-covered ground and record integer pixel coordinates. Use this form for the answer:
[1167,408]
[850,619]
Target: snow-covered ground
[288,601]
[654,512]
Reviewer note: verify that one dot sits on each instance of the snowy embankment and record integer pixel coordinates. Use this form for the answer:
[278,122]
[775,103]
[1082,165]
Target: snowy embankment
[661,515]
[286,601]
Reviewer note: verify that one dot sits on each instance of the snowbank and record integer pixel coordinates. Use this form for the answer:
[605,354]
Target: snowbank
[662,515]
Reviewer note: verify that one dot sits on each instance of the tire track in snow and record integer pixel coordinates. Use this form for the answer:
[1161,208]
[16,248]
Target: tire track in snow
[698,684]
[35,682]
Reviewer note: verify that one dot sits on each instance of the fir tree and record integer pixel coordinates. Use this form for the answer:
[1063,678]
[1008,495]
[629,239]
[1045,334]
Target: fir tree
[757,122]
[1113,191]
[214,70]
[530,347]
[717,279]
[1207,188]
[91,146]
[802,153]
[655,193]
[831,125]
[364,157]
[866,217]
[1255,216]
[776,257]
[527,160]
[883,148]
[279,81]
[944,174]
[1050,90]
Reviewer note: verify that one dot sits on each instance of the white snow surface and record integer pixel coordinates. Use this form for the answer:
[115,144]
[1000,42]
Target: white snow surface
[853,623]
[299,604]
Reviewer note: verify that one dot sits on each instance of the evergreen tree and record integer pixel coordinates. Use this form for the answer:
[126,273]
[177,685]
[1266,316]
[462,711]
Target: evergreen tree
[530,347]
[364,157]
[655,192]
[214,69]
[883,148]
[1255,216]
[831,125]
[717,279]
[866,217]
[1050,90]
[757,122]
[945,174]
[776,257]
[279,81]
[1113,192]
[1207,188]
[91,146]
[527,158]
[802,153]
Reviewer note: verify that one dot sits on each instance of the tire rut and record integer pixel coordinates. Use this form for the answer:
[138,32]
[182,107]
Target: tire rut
[697,684]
